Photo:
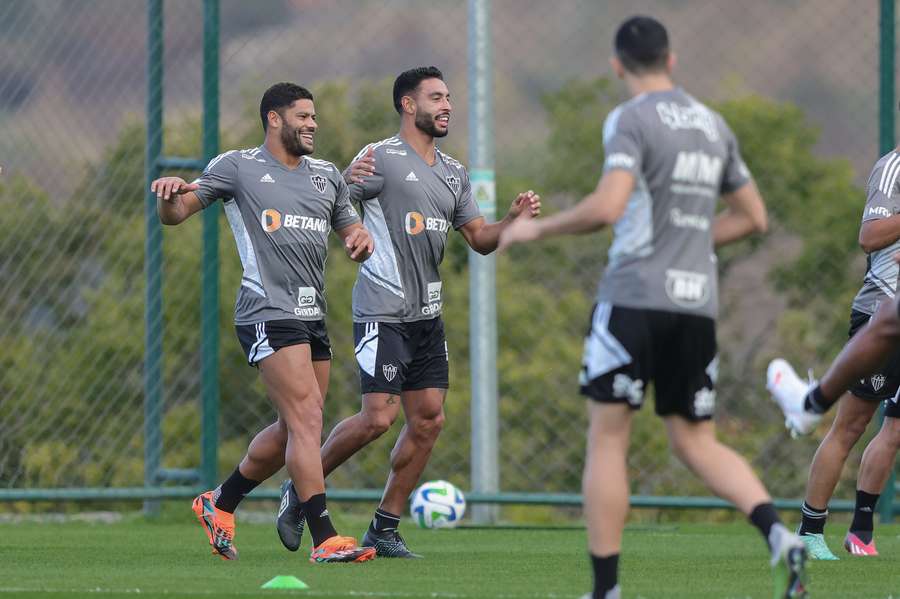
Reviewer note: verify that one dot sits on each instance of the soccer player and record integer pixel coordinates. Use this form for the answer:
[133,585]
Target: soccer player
[668,159]
[879,236]
[281,204]
[411,194]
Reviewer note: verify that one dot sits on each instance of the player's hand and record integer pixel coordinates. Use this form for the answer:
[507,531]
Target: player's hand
[359,244]
[528,203]
[521,230]
[167,188]
[362,168]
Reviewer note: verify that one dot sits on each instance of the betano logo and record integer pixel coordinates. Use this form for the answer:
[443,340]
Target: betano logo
[416,222]
[271,221]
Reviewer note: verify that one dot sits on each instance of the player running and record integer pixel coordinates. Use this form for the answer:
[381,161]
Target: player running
[411,194]
[879,237]
[281,205]
[668,159]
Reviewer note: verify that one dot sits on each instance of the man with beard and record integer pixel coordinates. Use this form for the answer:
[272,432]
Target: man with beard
[281,204]
[411,193]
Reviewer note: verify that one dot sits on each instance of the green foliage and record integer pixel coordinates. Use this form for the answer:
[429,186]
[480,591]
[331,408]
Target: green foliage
[80,331]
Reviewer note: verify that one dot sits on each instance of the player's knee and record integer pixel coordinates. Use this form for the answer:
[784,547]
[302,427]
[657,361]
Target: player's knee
[850,433]
[304,412]
[427,428]
[377,422]
[891,431]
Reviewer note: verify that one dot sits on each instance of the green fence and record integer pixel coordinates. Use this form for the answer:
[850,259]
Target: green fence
[114,382]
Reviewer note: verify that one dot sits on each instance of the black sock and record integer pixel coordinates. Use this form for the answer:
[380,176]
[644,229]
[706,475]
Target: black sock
[816,402]
[606,574]
[320,526]
[383,521]
[764,517]
[862,525]
[233,490]
[813,520]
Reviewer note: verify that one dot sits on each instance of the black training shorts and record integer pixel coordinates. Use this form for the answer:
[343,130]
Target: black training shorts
[401,356]
[883,385]
[628,348]
[263,339]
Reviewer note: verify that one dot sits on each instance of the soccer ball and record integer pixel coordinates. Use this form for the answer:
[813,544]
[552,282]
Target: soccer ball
[437,504]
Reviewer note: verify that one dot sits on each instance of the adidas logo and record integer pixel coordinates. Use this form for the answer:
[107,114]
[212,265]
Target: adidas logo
[865,509]
[267,178]
[412,176]
[324,514]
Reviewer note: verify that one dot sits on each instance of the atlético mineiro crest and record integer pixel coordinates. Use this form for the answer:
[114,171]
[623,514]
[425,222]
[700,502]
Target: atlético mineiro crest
[390,371]
[877,381]
[453,182]
[318,182]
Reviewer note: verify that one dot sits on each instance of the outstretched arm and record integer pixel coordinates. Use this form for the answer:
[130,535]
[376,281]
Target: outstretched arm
[603,206]
[745,215]
[175,199]
[484,238]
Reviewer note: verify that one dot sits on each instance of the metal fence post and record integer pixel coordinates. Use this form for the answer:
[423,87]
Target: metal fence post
[153,323]
[210,277]
[482,269]
[886,110]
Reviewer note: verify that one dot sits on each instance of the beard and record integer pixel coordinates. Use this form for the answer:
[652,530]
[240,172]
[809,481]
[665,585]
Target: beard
[426,123]
[293,144]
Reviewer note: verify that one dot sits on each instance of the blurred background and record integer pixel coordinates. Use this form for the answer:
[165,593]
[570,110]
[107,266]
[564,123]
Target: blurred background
[797,81]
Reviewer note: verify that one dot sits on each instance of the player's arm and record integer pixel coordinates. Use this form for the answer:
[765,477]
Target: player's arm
[603,206]
[879,233]
[745,214]
[358,242]
[175,199]
[364,176]
[484,237]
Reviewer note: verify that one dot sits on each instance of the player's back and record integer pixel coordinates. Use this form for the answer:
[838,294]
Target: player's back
[683,156]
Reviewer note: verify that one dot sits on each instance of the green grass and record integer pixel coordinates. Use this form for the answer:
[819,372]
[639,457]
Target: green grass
[171,559]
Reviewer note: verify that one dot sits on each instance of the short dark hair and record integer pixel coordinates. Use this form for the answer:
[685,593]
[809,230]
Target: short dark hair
[280,96]
[408,81]
[642,45]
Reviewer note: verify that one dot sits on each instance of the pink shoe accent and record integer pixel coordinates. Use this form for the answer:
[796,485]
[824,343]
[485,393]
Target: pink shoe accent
[854,546]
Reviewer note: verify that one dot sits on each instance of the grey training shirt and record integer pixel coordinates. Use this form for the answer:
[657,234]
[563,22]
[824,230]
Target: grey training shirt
[683,157]
[882,201]
[408,206]
[280,219]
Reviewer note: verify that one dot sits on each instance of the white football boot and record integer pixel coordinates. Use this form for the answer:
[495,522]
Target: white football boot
[789,392]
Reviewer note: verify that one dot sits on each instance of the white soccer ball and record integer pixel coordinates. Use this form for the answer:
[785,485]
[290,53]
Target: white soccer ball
[437,504]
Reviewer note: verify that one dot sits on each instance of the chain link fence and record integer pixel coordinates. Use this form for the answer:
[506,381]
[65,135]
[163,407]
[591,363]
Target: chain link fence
[797,81]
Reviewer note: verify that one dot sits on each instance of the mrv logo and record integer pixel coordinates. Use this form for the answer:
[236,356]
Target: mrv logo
[306,302]
[687,289]
[697,168]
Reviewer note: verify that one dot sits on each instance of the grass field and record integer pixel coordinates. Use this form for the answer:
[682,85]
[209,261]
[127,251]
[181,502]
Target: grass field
[171,559]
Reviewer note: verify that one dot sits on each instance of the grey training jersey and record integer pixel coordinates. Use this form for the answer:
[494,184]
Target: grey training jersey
[882,201]
[408,206]
[683,157]
[280,219]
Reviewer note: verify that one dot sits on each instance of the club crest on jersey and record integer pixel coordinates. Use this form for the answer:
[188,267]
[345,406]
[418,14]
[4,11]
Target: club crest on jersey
[389,371]
[877,382]
[318,182]
[453,182]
